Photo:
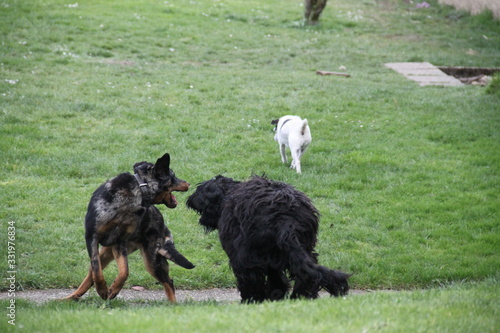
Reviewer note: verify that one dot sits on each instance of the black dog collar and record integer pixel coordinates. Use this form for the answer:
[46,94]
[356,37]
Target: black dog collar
[146,193]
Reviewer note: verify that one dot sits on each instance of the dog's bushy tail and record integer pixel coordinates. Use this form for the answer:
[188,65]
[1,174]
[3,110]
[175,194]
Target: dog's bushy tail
[309,276]
[335,282]
[170,252]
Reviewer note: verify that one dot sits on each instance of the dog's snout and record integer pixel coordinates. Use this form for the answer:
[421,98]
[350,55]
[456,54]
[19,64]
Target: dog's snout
[182,186]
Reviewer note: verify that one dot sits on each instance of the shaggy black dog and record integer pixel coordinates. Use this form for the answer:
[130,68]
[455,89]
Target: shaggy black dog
[268,230]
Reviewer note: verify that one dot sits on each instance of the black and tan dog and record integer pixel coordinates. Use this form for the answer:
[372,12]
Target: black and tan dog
[121,217]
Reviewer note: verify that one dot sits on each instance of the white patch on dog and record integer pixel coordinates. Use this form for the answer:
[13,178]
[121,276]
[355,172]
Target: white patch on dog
[292,132]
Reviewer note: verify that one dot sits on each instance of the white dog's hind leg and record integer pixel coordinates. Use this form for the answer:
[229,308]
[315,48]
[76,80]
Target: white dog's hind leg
[283,153]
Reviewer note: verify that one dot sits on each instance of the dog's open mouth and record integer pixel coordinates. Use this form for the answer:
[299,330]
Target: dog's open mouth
[169,199]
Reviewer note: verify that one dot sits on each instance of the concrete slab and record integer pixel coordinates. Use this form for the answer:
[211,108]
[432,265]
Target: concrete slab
[424,73]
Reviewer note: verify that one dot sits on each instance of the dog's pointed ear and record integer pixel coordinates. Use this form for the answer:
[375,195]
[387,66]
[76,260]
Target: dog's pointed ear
[162,165]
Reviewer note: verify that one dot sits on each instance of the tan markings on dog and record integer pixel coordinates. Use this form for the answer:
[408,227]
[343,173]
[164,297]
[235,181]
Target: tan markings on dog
[131,228]
[182,187]
[100,282]
[83,288]
[164,253]
[169,291]
[105,256]
[120,256]
[128,225]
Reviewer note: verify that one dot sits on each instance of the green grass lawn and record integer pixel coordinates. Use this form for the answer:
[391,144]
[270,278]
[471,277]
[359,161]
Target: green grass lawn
[455,308]
[406,178]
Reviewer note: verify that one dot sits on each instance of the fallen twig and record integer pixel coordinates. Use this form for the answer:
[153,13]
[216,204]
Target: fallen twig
[470,80]
[333,73]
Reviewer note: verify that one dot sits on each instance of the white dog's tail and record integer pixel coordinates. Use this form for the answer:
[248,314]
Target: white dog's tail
[304,126]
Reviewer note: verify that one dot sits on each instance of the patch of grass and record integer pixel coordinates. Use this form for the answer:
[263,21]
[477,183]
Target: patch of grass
[406,178]
[493,87]
[458,308]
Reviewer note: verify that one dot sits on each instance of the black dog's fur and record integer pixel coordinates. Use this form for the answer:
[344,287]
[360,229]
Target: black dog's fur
[268,230]
[119,220]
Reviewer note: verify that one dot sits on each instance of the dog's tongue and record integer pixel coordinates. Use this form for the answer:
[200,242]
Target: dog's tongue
[170,201]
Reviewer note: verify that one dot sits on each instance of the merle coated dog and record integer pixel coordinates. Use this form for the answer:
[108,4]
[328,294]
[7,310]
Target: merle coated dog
[121,217]
[268,230]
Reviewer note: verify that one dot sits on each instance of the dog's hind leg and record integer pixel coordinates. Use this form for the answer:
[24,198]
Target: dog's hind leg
[301,264]
[283,153]
[277,285]
[305,285]
[96,268]
[251,284]
[296,154]
[105,256]
[121,256]
[304,273]
[83,288]
[157,266]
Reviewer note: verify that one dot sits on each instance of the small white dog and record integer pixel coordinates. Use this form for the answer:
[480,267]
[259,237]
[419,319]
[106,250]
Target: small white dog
[293,132]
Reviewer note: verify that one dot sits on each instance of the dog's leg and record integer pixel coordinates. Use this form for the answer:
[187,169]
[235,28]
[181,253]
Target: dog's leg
[277,285]
[96,268]
[157,266]
[301,262]
[83,288]
[121,257]
[283,153]
[296,153]
[251,284]
[106,256]
[305,286]
[306,277]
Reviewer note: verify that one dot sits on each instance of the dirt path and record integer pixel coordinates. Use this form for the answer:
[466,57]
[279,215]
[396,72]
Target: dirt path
[219,295]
